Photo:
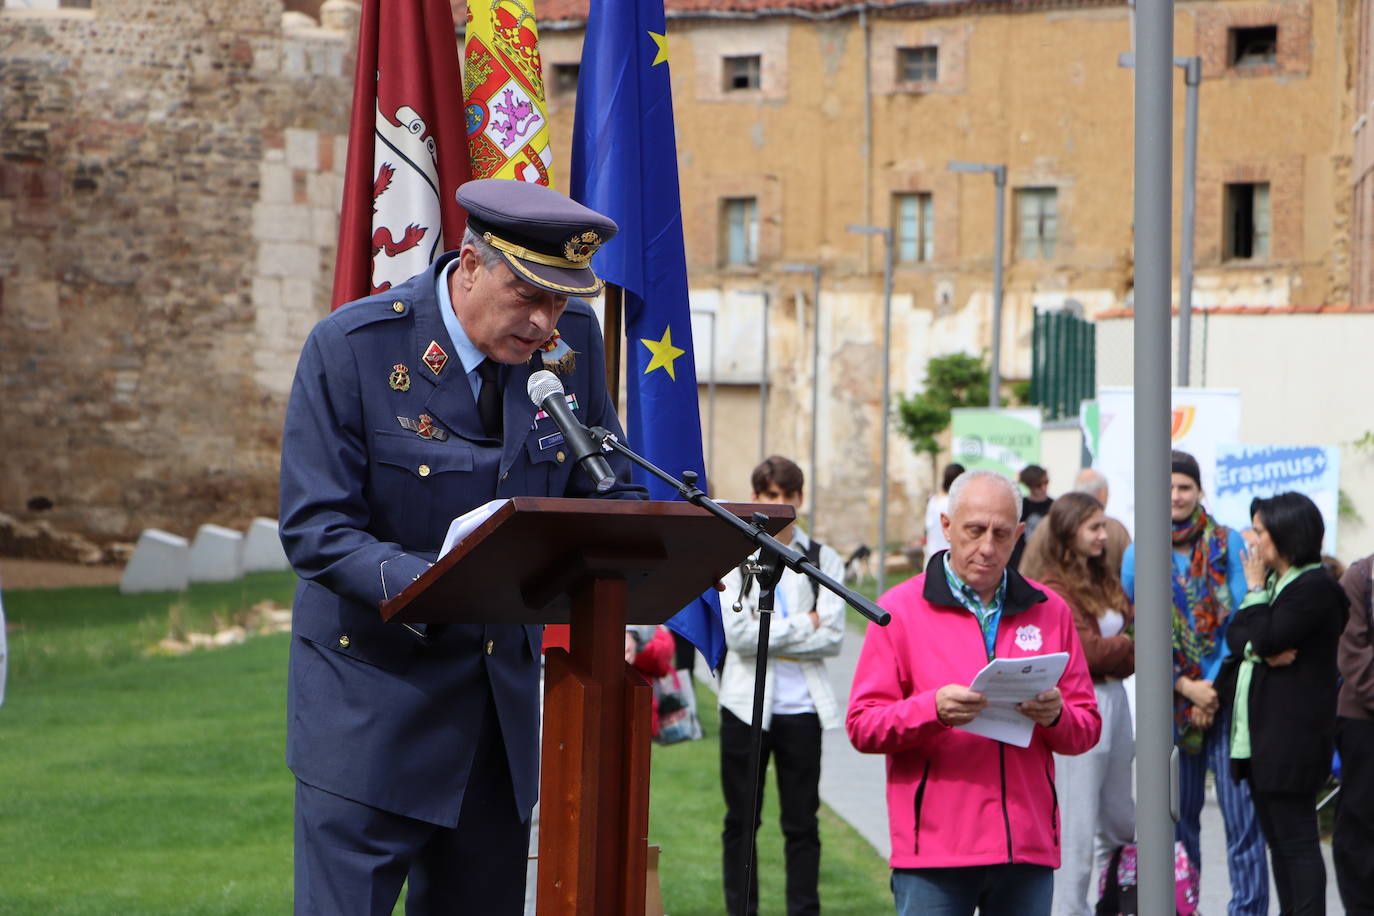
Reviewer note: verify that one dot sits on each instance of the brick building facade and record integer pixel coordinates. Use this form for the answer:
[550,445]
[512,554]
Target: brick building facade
[169,184]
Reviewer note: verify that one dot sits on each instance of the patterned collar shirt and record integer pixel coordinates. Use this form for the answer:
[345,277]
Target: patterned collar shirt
[988,615]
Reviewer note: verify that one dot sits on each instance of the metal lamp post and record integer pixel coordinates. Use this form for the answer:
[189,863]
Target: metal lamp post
[1192,79]
[886,234]
[999,178]
[815,271]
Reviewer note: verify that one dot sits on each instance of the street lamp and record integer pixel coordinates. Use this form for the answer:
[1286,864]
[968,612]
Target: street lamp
[1192,79]
[999,178]
[710,396]
[815,272]
[886,234]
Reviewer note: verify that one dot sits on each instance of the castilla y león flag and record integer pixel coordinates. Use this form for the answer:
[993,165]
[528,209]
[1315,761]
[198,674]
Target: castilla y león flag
[503,87]
[407,149]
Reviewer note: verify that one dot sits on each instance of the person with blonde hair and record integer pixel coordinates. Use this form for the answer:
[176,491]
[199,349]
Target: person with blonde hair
[1068,554]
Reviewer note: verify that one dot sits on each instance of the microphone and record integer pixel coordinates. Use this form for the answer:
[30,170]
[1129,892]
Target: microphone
[546,391]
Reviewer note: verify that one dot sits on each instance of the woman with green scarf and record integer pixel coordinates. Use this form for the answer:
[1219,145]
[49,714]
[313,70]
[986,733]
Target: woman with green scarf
[1283,649]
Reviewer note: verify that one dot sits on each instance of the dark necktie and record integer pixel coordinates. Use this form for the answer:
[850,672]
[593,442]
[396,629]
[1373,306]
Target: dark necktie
[489,398]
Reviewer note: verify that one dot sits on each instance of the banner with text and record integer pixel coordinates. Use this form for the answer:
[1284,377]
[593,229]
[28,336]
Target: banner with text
[1248,471]
[1003,440]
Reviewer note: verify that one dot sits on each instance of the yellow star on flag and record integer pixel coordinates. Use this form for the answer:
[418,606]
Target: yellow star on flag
[662,42]
[664,353]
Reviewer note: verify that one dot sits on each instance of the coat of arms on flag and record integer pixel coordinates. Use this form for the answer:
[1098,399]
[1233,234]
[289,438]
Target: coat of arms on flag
[503,91]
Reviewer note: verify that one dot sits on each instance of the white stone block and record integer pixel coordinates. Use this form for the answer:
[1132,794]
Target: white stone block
[216,554]
[161,563]
[302,149]
[262,550]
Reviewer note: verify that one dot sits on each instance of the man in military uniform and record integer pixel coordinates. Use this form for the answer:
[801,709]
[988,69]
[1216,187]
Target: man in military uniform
[415,749]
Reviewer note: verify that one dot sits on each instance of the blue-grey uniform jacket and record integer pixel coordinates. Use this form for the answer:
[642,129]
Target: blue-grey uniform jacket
[375,713]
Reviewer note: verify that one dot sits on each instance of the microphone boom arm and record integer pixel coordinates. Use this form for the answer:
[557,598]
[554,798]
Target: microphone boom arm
[790,557]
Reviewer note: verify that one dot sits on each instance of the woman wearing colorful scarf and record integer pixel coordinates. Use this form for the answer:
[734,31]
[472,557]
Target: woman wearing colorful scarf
[1208,584]
[1283,648]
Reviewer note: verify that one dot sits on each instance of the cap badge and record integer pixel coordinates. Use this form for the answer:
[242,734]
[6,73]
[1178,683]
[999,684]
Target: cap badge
[424,428]
[435,357]
[580,248]
[400,378]
[558,357]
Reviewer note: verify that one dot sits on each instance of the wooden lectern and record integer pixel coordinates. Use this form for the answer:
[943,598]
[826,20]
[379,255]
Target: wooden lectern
[597,564]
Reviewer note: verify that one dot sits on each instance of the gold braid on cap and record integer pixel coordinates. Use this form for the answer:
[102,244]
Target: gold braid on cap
[538,257]
[513,253]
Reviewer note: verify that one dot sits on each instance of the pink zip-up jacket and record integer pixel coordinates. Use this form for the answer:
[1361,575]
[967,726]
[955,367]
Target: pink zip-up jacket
[954,798]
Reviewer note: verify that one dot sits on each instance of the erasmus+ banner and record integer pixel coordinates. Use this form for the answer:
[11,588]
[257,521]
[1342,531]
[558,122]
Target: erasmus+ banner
[1244,472]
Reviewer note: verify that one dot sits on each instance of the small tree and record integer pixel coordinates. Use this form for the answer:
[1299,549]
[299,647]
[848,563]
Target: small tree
[957,380]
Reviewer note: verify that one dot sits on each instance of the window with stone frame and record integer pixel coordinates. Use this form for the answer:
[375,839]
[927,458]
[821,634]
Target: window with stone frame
[1252,46]
[739,232]
[913,227]
[1037,221]
[919,65]
[742,73]
[1246,229]
[564,80]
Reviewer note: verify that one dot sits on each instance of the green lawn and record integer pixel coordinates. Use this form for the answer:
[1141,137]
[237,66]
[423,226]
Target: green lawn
[135,783]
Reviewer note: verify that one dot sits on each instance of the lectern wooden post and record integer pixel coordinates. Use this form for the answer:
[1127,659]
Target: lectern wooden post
[597,564]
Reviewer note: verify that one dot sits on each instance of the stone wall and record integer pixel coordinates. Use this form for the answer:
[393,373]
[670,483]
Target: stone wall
[169,185]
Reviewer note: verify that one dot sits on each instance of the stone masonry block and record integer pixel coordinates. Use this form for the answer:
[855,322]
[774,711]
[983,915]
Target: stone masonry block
[302,148]
[216,555]
[288,259]
[161,563]
[276,183]
[262,550]
[279,221]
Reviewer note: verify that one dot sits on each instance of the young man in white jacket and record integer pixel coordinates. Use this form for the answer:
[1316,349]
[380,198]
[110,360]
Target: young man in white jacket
[798,702]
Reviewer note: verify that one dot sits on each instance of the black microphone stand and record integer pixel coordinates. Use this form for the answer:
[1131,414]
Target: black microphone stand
[767,569]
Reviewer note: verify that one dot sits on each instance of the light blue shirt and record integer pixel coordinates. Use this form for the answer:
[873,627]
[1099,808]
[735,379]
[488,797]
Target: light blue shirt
[1235,579]
[465,351]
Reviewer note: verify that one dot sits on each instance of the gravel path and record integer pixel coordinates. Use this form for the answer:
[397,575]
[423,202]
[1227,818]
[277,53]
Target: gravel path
[21,573]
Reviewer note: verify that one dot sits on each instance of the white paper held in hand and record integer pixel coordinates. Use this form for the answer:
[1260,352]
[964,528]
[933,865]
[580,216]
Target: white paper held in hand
[1006,682]
[468,522]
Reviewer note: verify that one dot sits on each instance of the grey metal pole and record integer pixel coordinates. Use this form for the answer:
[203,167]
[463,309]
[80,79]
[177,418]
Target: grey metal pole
[710,397]
[999,177]
[1192,77]
[815,389]
[1154,667]
[763,386]
[887,408]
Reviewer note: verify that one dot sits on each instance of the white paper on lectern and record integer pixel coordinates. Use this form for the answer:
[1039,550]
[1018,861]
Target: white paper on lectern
[467,523]
[1006,682]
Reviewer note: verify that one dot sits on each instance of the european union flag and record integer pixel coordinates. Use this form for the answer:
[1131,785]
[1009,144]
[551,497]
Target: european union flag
[624,164]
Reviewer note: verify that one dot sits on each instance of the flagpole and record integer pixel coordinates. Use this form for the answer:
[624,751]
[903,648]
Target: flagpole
[612,330]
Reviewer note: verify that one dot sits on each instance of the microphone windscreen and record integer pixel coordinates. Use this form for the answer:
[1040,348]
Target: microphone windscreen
[542,384]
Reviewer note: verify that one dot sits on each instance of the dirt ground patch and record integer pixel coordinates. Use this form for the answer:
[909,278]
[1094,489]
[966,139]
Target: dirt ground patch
[22,573]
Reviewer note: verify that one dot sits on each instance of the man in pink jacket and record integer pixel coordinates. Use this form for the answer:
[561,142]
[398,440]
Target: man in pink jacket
[974,822]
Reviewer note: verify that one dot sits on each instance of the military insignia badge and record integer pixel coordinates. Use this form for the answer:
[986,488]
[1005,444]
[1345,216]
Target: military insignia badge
[558,357]
[435,357]
[424,427]
[400,378]
[580,248]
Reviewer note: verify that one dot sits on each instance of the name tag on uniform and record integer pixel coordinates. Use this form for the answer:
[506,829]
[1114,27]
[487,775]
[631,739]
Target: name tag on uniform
[551,440]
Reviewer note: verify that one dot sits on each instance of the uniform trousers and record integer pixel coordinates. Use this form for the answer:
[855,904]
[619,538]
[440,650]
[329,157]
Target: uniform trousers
[1289,822]
[1096,803]
[1352,844]
[794,743]
[352,859]
[1244,840]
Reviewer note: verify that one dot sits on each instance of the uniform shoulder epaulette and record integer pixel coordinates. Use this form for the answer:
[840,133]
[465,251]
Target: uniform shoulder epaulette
[363,312]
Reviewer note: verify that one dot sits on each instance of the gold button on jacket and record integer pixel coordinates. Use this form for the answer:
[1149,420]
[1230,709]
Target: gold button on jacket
[491,644]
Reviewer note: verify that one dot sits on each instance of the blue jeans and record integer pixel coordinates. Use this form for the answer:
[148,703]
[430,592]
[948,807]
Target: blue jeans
[992,890]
